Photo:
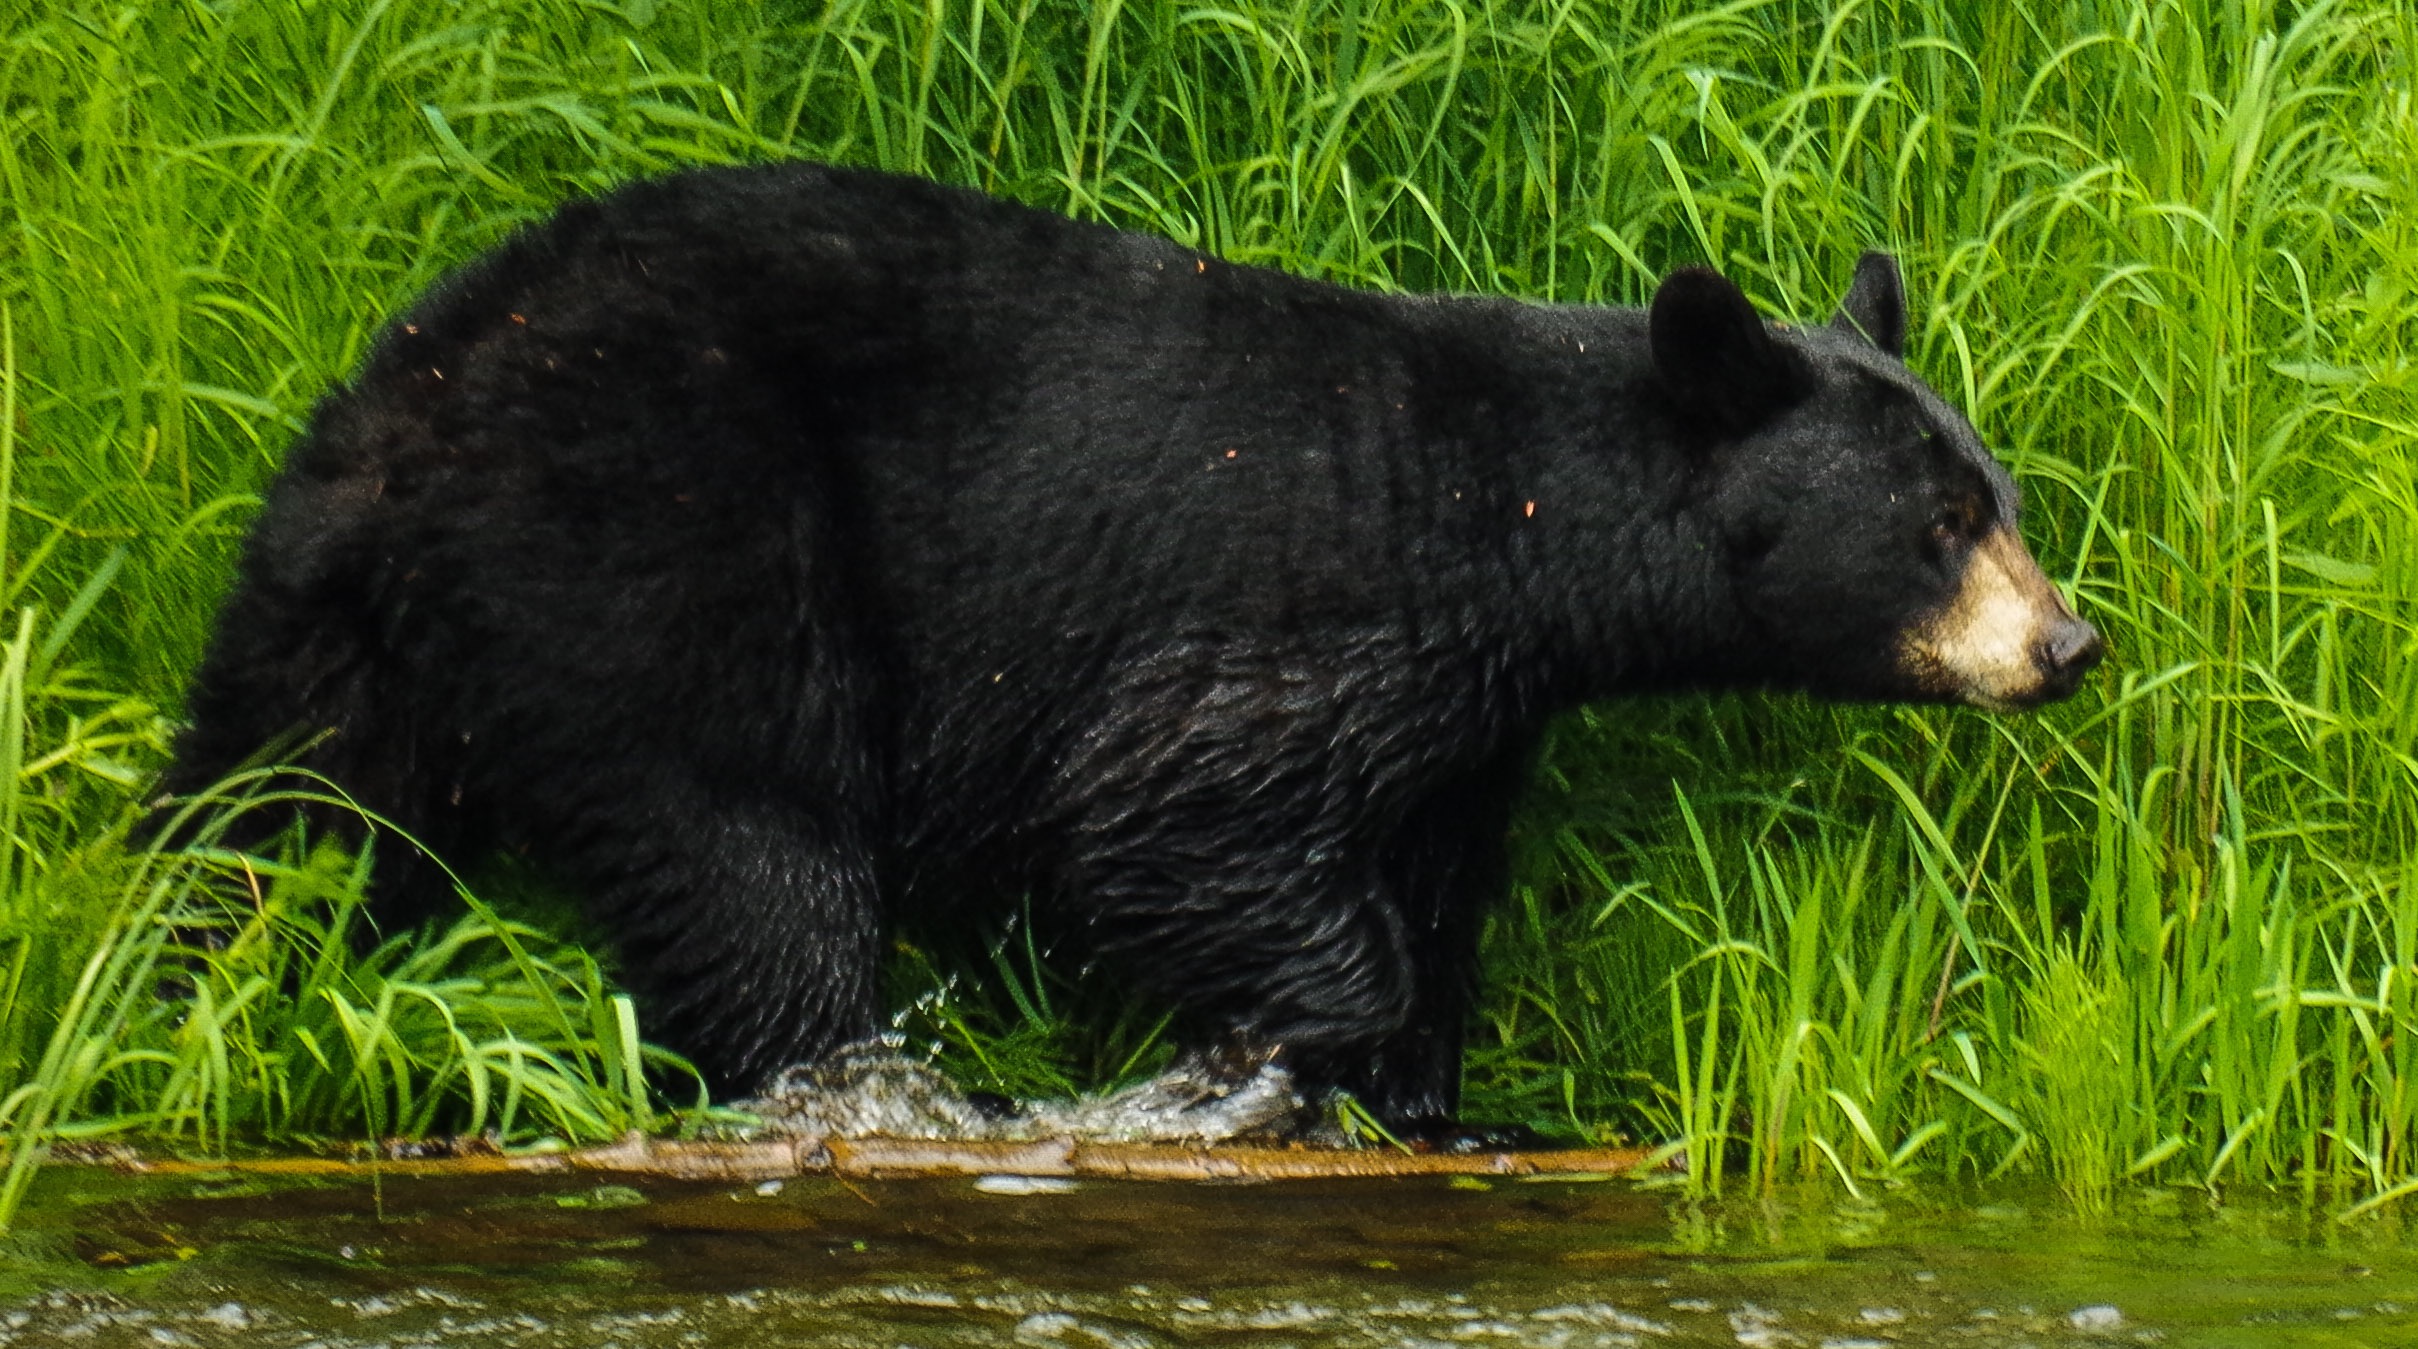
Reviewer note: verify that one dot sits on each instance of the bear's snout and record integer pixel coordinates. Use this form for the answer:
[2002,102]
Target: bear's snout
[2070,650]
[2006,638]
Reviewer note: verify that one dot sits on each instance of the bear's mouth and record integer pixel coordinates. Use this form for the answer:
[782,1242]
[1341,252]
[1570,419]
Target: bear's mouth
[2006,640]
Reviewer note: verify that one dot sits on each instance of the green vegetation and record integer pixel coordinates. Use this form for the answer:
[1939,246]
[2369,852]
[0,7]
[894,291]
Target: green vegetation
[2166,256]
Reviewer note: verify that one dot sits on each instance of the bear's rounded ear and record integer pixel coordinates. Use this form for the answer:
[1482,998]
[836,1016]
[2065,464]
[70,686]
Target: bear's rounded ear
[1713,352]
[1875,307]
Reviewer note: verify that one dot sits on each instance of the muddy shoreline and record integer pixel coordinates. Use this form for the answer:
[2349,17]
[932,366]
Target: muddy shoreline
[756,1160]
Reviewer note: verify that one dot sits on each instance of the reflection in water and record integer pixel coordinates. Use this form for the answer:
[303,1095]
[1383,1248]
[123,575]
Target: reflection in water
[103,1261]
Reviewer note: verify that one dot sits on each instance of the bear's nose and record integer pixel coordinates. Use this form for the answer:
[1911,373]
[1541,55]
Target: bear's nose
[2067,653]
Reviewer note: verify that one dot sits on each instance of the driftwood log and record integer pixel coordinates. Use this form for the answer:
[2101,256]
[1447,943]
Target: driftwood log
[887,1158]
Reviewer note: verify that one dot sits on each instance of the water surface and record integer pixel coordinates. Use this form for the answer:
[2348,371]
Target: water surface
[107,1260]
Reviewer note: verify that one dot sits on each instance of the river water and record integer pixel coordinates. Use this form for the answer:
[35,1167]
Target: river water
[100,1259]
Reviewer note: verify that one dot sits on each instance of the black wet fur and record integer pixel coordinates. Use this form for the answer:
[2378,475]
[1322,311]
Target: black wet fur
[776,553]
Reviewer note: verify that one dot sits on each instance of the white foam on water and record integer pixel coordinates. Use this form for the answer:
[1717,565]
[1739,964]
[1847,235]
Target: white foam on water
[1005,1184]
[874,1091]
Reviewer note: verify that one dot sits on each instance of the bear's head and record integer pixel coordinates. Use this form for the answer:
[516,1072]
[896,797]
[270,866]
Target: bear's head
[1869,539]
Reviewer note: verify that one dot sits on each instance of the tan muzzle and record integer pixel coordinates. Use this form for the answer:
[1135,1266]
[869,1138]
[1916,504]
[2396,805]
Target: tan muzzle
[2006,639]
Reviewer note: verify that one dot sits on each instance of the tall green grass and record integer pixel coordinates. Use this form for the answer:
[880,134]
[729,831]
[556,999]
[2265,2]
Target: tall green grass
[2165,255]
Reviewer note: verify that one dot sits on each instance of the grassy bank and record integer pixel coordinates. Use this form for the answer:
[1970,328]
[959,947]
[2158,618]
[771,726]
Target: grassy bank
[2166,257]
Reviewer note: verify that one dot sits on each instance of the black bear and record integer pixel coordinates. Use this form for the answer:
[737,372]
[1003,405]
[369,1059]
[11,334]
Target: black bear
[772,552]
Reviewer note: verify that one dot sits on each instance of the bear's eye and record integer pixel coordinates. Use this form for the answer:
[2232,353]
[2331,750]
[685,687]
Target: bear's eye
[1957,522]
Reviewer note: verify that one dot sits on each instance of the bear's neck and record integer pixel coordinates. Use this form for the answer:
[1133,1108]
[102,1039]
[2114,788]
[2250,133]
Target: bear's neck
[1630,597]
[1615,577]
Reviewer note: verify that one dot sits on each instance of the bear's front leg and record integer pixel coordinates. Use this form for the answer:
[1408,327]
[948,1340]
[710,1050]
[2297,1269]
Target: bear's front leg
[1294,848]
[1263,949]
[751,933]
[1444,864]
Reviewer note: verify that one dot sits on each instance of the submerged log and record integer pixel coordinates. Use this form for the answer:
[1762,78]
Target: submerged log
[759,1160]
